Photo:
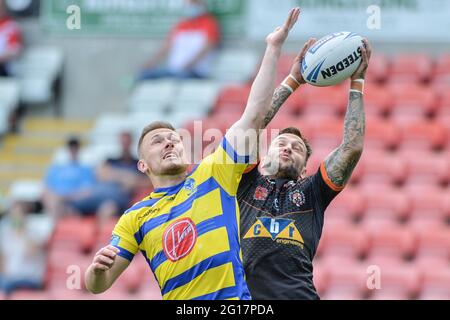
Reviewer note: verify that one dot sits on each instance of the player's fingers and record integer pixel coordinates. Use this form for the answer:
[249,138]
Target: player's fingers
[104,260]
[112,248]
[291,19]
[294,17]
[99,266]
[305,49]
[368,48]
[109,253]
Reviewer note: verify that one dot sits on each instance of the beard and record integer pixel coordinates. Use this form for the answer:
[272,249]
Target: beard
[280,171]
[287,172]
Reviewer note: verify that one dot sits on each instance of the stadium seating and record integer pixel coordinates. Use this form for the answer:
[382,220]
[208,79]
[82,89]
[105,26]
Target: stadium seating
[377,100]
[425,167]
[410,67]
[75,233]
[40,69]
[400,282]
[379,68]
[423,135]
[235,65]
[341,238]
[381,167]
[346,280]
[9,100]
[436,283]
[381,134]
[411,102]
[391,241]
[384,203]
[348,205]
[441,72]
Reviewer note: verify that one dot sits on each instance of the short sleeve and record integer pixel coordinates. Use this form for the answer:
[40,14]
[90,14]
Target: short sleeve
[251,174]
[123,237]
[324,189]
[227,166]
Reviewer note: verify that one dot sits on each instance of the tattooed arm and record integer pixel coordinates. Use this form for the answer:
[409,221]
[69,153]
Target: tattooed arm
[282,92]
[340,163]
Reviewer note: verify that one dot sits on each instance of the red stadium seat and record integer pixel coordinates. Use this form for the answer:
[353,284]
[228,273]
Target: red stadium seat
[348,205]
[426,167]
[398,282]
[436,283]
[346,280]
[381,167]
[74,233]
[423,135]
[412,102]
[105,232]
[343,239]
[433,241]
[378,70]
[285,63]
[442,69]
[233,97]
[327,134]
[392,241]
[381,134]
[410,68]
[428,203]
[377,100]
[326,100]
[385,203]
[295,104]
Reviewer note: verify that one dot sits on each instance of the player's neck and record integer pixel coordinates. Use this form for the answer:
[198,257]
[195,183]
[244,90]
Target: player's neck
[167,181]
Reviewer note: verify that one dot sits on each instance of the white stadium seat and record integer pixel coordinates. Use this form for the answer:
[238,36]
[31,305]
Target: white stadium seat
[235,65]
[152,96]
[9,100]
[38,70]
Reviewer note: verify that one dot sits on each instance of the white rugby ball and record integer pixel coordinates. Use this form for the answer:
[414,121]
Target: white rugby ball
[332,59]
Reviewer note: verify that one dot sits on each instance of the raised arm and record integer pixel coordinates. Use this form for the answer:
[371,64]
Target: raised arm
[340,163]
[262,90]
[289,85]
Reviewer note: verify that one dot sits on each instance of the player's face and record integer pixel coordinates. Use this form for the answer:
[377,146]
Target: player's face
[163,153]
[287,155]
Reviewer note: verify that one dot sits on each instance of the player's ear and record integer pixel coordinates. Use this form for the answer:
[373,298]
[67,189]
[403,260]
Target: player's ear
[142,166]
[303,172]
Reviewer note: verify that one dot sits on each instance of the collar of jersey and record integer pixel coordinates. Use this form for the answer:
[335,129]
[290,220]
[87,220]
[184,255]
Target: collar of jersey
[161,192]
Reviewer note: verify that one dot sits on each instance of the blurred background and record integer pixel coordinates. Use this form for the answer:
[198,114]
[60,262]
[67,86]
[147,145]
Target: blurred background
[81,78]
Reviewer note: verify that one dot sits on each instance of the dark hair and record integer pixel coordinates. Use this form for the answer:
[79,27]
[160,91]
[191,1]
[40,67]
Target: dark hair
[296,132]
[153,126]
[73,142]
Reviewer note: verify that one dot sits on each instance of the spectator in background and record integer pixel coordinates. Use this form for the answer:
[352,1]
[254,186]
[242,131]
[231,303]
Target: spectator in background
[23,237]
[189,48]
[10,41]
[121,177]
[67,182]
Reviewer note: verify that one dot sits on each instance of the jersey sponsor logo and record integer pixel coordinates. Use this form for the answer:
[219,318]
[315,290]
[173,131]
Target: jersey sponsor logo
[261,193]
[281,230]
[190,187]
[297,197]
[179,238]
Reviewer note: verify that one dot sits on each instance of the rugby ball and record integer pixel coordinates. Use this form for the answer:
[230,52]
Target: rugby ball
[332,59]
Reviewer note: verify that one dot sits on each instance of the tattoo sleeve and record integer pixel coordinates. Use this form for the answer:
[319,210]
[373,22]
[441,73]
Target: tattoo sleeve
[341,162]
[280,95]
